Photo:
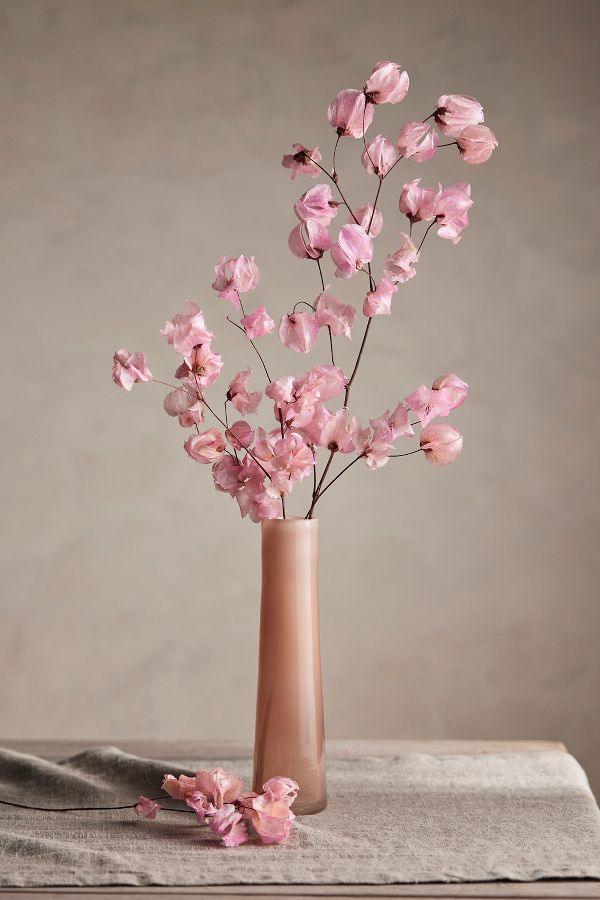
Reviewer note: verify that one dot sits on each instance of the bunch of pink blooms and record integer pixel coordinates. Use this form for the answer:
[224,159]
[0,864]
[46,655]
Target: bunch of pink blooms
[219,800]
[260,468]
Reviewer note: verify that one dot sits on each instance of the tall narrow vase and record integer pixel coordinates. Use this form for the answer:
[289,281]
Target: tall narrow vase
[290,737]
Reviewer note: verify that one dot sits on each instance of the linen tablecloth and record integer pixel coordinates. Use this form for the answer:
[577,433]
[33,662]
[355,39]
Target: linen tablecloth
[412,817]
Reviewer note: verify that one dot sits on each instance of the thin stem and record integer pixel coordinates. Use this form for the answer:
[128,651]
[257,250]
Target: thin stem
[344,201]
[333,161]
[333,480]
[321,480]
[329,326]
[375,204]
[300,303]
[227,431]
[409,453]
[175,387]
[282,506]
[88,808]
[427,230]
[256,350]
[357,363]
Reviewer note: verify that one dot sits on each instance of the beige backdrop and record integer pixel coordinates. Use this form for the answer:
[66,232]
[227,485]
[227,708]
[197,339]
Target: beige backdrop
[141,140]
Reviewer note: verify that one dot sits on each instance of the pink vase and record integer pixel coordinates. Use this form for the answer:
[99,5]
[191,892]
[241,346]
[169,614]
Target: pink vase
[290,736]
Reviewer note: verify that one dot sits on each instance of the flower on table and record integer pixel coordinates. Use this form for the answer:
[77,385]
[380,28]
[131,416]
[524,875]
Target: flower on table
[129,368]
[235,275]
[146,808]
[302,161]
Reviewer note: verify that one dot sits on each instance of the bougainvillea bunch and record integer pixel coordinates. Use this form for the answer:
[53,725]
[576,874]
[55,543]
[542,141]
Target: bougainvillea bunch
[259,467]
[219,800]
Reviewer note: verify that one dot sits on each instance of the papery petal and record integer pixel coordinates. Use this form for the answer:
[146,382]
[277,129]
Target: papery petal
[350,113]
[441,444]
[309,240]
[205,447]
[299,331]
[476,144]
[456,390]
[398,266]
[316,205]
[455,112]
[351,252]
[388,83]
[258,323]
[146,808]
[372,222]
[129,368]
[379,156]
[417,141]
[302,160]
[379,301]
[332,313]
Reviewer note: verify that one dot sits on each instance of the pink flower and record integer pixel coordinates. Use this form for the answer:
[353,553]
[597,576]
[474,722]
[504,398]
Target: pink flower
[226,472]
[186,331]
[428,404]
[244,401]
[353,249]
[338,316]
[299,331]
[281,390]
[476,144]
[184,403]
[288,458]
[418,203]
[321,382]
[380,443]
[201,806]
[309,240]
[179,788]
[311,430]
[240,435]
[379,156]
[350,113]
[388,83]
[441,444]
[302,161]
[227,824]
[258,323]
[316,205]
[379,301]
[279,788]
[254,502]
[219,786]
[398,422]
[234,276]
[451,210]
[271,819]
[455,112]
[341,434]
[146,807]
[371,222]
[398,265]
[129,368]
[205,366]
[417,141]
[205,447]
[456,390]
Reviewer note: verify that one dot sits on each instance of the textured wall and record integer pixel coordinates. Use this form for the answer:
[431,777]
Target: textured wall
[141,140]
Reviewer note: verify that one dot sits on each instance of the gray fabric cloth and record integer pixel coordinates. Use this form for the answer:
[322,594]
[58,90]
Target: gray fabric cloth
[409,818]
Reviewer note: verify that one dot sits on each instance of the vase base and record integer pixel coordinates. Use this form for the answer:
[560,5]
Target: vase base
[309,807]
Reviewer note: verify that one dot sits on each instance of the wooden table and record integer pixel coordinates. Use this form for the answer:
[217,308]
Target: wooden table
[189,750]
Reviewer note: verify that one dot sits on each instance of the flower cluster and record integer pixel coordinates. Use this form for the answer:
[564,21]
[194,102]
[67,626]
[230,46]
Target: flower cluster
[219,800]
[257,466]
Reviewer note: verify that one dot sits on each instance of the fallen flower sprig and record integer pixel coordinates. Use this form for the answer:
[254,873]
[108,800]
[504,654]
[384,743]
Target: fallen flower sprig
[218,799]
[259,468]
